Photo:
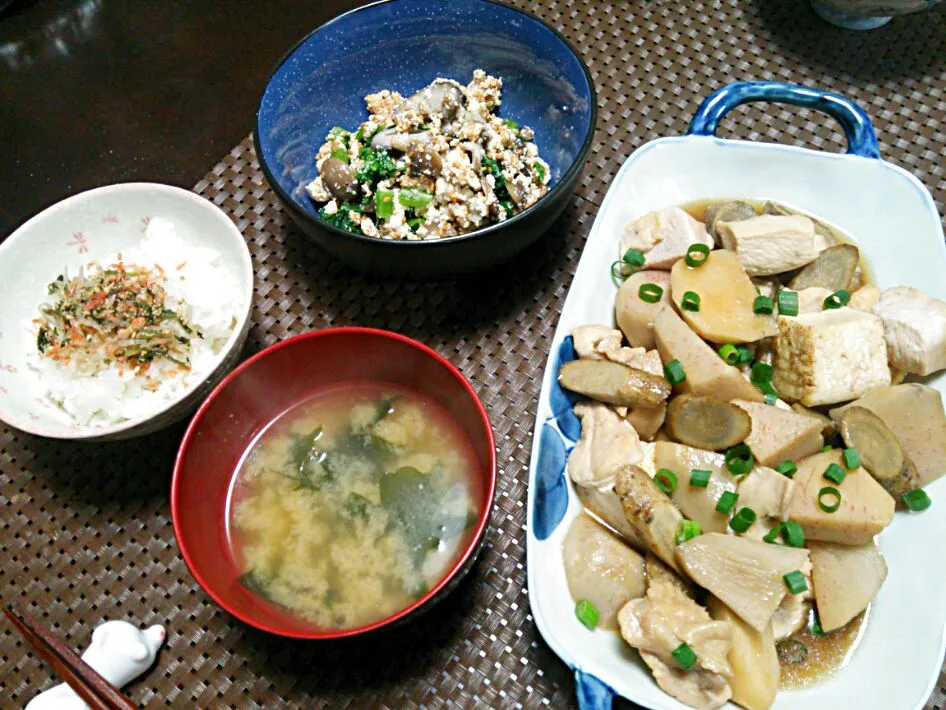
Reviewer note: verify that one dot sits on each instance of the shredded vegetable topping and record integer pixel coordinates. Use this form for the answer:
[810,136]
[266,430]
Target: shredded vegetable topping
[115,315]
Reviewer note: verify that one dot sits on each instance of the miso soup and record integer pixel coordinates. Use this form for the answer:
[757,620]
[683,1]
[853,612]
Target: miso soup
[354,503]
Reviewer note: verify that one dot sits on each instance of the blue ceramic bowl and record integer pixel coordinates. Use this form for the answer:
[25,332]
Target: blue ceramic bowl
[404,45]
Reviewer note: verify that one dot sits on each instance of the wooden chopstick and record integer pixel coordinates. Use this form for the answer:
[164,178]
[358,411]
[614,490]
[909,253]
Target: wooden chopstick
[94,690]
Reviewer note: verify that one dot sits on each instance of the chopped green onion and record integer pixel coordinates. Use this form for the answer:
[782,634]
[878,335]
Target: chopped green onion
[384,203]
[829,492]
[688,530]
[539,171]
[697,255]
[834,473]
[793,534]
[772,535]
[743,520]
[852,459]
[795,581]
[627,265]
[650,293]
[690,301]
[340,154]
[770,398]
[729,353]
[726,502]
[684,656]
[700,477]
[509,123]
[761,373]
[826,448]
[337,132]
[634,258]
[837,299]
[787,468]
[765,388]
[666,480]
[674,372]
[415,199]
[508,207]
[763,305]
[816,628]
[745,354]
[587,613]
[739,460]
[619,271]
[917,500]
[787,303]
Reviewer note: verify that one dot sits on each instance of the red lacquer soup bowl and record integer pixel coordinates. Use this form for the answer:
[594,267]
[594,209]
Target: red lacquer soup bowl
[258,392]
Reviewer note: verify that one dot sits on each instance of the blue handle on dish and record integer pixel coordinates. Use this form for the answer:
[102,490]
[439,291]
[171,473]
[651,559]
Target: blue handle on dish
[861,138]
[592,693]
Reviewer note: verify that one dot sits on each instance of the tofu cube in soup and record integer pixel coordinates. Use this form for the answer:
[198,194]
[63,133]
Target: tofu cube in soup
[772,244]
[664,236]
[915,327]
[829,357]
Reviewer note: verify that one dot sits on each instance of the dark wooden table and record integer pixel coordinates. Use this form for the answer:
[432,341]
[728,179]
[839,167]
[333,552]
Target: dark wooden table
[100,91]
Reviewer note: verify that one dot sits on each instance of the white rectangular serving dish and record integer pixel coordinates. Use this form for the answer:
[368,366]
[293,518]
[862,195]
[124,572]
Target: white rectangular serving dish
[895,222]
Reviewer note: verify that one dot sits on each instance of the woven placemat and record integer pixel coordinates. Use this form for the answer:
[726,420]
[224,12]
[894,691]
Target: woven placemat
[85,531]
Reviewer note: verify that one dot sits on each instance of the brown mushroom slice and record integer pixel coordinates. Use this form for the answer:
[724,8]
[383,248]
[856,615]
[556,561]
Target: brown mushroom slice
[706,422]
[729,211]
[614,383]
[880,452]
[392,139]
[425,160]
[834,269]
[339,178]
[441,96]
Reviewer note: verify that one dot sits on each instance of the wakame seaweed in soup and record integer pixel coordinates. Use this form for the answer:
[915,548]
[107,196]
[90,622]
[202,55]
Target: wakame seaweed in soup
[353,504]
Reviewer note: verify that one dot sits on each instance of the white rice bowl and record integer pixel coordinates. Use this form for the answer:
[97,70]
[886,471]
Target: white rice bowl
[197,286]
[208,274]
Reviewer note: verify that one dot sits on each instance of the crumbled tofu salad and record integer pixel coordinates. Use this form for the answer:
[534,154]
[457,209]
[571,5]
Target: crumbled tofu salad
[748,426]
[437,164]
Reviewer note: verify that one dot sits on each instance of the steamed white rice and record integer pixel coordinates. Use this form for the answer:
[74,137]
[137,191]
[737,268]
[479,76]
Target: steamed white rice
[196,281]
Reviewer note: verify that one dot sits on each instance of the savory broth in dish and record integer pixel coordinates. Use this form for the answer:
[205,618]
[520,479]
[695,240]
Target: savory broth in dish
[808,658]
[353,503]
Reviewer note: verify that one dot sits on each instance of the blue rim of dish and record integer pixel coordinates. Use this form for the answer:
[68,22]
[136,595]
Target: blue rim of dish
[575,167]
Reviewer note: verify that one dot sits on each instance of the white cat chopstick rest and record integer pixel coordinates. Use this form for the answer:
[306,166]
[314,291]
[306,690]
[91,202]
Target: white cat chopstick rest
[119,653]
